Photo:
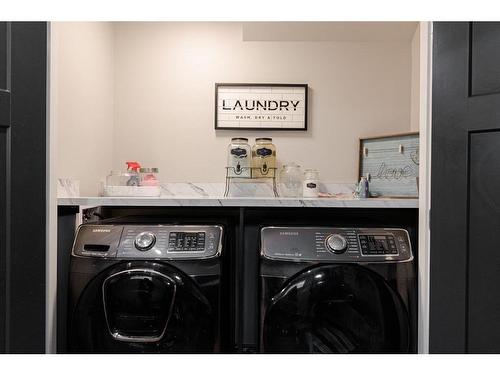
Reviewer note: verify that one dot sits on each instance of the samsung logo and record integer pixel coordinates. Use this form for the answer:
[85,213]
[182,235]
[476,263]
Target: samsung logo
[289,233]
[101,230]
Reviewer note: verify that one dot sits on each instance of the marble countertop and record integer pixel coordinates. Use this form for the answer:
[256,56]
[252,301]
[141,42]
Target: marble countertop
[240,195]
[187,201]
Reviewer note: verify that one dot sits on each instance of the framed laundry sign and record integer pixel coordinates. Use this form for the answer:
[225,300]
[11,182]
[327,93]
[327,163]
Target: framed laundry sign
[261,106]
[390,164]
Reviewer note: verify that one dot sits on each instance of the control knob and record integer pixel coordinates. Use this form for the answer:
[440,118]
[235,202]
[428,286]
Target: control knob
[336,243]
[145,241]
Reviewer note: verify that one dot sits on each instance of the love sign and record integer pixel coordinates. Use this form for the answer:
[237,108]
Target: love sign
[390,164]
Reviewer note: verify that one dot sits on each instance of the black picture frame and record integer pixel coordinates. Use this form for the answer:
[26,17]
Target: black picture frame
[301,85]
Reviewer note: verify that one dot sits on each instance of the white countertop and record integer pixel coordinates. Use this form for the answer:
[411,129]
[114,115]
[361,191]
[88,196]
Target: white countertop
[209,201]
[242,195]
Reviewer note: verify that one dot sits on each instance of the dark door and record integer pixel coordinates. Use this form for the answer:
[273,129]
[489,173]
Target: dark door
[465,213]
[336,309]
[23,73]
[143,307]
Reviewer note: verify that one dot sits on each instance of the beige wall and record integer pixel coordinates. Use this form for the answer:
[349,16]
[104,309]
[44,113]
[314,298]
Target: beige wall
[83,89]
[164,96]
[145,91]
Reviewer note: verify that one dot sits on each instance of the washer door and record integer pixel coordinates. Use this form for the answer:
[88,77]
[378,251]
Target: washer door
[336,309]
[143,307]
[138,304]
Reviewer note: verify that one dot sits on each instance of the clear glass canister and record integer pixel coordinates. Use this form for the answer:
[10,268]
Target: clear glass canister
[149,177]
[238,158]
[263,158]
[290,181]
[311,183]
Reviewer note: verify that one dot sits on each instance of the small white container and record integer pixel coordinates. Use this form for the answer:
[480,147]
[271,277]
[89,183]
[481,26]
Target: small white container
[310,186]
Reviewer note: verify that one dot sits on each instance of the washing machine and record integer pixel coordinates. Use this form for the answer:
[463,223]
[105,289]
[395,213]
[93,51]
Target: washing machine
[337,290]
[152,288]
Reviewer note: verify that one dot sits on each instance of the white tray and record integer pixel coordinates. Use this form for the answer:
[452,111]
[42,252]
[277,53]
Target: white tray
[132,191]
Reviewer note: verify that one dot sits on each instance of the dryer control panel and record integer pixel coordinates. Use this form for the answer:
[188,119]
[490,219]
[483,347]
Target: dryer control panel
[148,241]
[330,244]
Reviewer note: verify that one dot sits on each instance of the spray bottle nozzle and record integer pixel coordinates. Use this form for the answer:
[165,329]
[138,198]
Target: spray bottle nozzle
[133,166]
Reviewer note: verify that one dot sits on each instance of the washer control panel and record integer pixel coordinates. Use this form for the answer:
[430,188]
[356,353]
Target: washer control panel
[186,241]
[331,244]
[149,241]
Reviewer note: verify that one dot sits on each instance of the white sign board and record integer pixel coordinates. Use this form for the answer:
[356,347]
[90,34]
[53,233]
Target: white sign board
[261,106]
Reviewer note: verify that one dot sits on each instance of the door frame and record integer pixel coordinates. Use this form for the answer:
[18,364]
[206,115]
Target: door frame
[424,204]
[425,101]
[51,192]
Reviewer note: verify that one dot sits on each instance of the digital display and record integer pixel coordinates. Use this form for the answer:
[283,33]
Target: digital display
[186,241]
[377,244]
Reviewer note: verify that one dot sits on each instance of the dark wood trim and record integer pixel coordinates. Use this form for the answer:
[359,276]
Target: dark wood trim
[457,117]
[448,258]
[5,186]
[470,65]
[469,68]
[306,115]
[28,199]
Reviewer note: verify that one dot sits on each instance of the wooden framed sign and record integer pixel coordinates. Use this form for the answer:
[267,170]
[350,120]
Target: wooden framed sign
[260,106]
[390,164]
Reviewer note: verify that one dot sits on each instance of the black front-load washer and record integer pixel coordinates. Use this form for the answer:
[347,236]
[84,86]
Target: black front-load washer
[337,290]
[145,289]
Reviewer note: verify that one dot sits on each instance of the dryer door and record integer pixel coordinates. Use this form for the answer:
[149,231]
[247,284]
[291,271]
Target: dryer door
[336,309]
[143,307]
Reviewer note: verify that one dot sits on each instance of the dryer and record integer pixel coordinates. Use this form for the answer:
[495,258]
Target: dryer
[337,290]
[145,289]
